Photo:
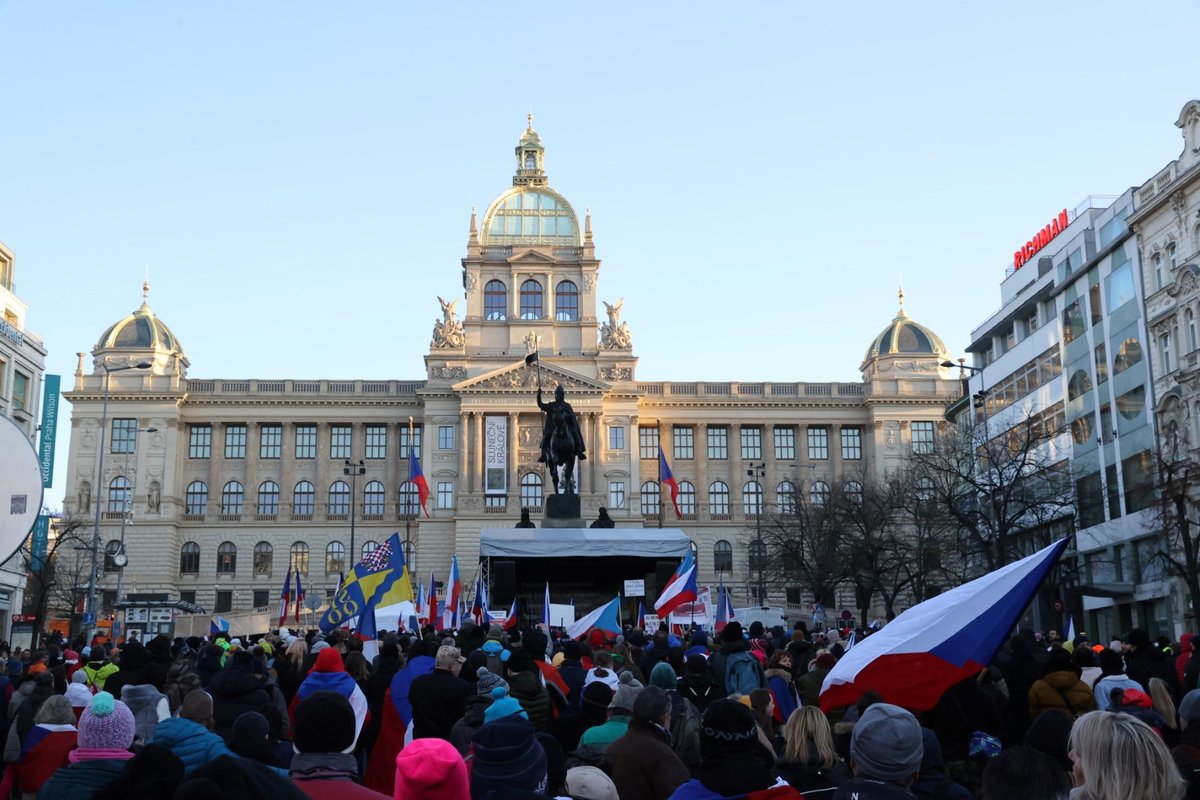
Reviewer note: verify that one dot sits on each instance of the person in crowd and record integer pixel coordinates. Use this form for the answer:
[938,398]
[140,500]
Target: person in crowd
[763,706]
[439,698]
[1021,772]
[1089,670]
[1112,677]
[41,689]
[1048,734]
[152,774]
[47,746]
[644,765]
[236,690]
[697,684]
[329,675]
[886,749]
[1164,704]
[932,781]
[181,680]
[733,763]
[685,718]
[809,762]
[133,662]
[601,671]
[1119,757]
[105,735]
[572,672]
[1140,705]
[189,736]
[593,711]
[289,667]
[590,783]
[1187,752]
[1144,661]
[397,714]
[537,643]
[732,667]
[809,685]
[508,760]
[149,707]
[240,778]
[780,682]
[386,667]
[964,708]
[325,730]
[251,738]
[209,663]
[473,718]
[525,685]
[502,706]
[1060,687]
[431,769]
[620,710]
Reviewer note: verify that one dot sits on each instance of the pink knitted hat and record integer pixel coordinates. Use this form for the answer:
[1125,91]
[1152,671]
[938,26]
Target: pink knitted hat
[106,724]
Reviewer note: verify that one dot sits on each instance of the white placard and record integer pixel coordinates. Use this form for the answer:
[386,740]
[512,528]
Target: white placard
[161,616]
[651,623]
[635,588]
[20,487]
[562,615]
[495,455]
[137,616]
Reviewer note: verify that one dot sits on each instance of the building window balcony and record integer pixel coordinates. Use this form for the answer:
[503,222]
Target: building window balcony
[302,517]
[264,517]
[193,518]
[372,517]
[229,517]
[336,517]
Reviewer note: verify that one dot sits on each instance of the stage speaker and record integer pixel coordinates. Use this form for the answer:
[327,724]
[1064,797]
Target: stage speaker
[663,570]
[504,583]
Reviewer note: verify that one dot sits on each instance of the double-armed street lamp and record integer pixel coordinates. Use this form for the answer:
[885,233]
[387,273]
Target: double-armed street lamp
[758,472]
[353,471]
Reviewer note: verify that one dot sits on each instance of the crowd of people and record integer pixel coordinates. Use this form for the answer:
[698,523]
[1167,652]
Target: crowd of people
[484,712]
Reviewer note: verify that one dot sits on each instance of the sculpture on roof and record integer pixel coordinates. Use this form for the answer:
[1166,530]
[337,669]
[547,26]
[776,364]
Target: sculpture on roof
[614,334]
[449,332]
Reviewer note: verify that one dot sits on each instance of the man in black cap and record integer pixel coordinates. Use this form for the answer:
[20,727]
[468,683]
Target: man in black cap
[508,759]
[324,734]
[733,762]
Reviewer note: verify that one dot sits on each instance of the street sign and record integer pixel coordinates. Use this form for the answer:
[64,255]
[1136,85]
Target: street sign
[635,588]
[89,618]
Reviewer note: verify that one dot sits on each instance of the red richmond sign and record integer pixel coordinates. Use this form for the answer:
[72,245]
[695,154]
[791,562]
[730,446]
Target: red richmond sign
[1040,239]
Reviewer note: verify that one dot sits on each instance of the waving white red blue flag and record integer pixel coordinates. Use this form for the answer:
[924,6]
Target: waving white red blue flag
[917,656]
[454,593]
[604,618]
[479,607]
[680,589]
[724,614]
[666,476]
[286,598]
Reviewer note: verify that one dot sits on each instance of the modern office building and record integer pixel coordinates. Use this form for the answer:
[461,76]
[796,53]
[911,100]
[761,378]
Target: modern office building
[241,477]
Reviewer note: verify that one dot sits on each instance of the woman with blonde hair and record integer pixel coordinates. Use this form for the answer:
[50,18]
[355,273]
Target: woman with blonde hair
[1164,703]
[1118,757]
[809,762]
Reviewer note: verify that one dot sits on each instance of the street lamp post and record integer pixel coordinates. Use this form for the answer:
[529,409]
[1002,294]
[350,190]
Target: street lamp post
[758,472]
[353,470]
[91,601]
[120,558]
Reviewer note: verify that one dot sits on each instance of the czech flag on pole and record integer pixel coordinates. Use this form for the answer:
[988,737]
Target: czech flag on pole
[479,608]
[920,654]
[680,589]
[454,593]
[432,601]
[640,622]
[546,607]
[604,618]
[724,614]
[286,597]
[665,476]
[299,596]
[511,621]
[417,478]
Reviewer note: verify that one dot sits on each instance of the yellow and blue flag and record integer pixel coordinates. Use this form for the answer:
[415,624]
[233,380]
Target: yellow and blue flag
[380,579]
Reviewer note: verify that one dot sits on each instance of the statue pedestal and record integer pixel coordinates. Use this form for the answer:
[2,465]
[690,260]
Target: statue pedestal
[562,511]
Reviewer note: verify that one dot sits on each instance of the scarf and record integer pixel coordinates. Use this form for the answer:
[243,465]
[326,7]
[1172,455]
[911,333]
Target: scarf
[324,766]
[80,754]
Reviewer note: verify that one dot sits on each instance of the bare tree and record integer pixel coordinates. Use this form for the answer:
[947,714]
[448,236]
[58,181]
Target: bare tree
[1176,517]
[54,579]
[804,545]
[931,544]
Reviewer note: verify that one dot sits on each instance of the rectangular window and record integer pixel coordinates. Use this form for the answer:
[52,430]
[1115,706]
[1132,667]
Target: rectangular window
[851,444]
[306,441]
[406,445]
[785,444]
[718,443]
[124,436]
[922,438]
[1114,491]
[377,441]
[270,441]
[616,494]
[1137,472]
[1094,304]
[1073,324]
[445,437]
[224,602]
[818,444]
[188,596]
[685,442]
[1090,499]
[616,437]
[339,441]
[20,398]
[751,441]
[1101,364]
[647,442]
[445,494]
[235,441]
[262,598]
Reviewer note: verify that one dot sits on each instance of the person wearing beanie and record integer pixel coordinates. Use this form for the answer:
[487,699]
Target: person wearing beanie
[325,731]
[809,685]
[329,675]
[886,750]
[932,780]
[149,707]
[98,668]
[189,736]
[685,718]
[697,684]
[644,765]
[502,706]
[590,783]
[1187,752]
[47,746]
[1112,676]
[494,651]
[431,769]
[1144,661]
[568,728]
[572,672]
[439,698]
[732,667]
[133,661]
[104,737]
[78,693]
[537,643]
[477,704]
[152,774]
[733,762]
[250,739]
[507,758]
[397,714]
[620,711]
[525,685]
[235,690]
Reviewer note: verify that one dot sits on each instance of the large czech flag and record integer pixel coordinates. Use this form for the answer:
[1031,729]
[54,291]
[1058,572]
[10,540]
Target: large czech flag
[680,589]
[917,656]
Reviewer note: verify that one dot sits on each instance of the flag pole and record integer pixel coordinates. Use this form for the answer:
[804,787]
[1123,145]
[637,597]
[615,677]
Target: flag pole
[407,497]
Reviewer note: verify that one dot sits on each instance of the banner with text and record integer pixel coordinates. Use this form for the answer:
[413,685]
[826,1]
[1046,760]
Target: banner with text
[50,398]
[699,612]
[495,455]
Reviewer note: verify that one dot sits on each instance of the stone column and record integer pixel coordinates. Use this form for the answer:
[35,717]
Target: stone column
[464,441]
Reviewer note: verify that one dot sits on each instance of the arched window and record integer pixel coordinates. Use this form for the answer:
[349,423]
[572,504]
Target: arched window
[339,498]
[268,498]
[531,300]
[853,490]
[1193,342]
[118,494]
[110,550]
[197,498]
[1079,384]
[374,496]
[226,558]
[335,558]
[752,495]
[233,494]
[495,300]
[263,554]
[566,302]
[304,497]
[298,557]
[410,499]
[924,489]
[651,497]
[818,494]
[785,497]
[189,559]
[1171,255]
[687,497]
[1156,260]
[368,547]
[531,490]
[718,497]
[723,556]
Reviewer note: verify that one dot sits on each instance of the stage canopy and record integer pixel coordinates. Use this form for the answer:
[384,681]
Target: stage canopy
[585,542]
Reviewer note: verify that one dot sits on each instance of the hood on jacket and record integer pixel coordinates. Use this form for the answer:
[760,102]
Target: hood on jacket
[139,695]
[232,682]
[494,648]
[1062,679]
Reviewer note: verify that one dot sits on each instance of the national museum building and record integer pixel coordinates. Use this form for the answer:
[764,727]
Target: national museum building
[235,479]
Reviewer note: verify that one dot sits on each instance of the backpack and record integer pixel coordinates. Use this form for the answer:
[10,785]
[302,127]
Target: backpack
[685,731]
[742,674]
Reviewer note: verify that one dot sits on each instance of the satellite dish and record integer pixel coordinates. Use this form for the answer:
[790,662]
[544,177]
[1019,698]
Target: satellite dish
[20,487]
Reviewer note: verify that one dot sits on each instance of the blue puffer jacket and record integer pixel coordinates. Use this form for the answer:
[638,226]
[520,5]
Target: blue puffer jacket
[191,742]
[81,781]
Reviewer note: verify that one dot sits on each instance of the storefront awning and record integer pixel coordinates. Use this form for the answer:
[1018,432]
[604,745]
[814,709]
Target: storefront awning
[583,542]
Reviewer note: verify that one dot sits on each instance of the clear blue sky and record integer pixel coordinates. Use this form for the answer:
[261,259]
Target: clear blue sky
[299,176]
